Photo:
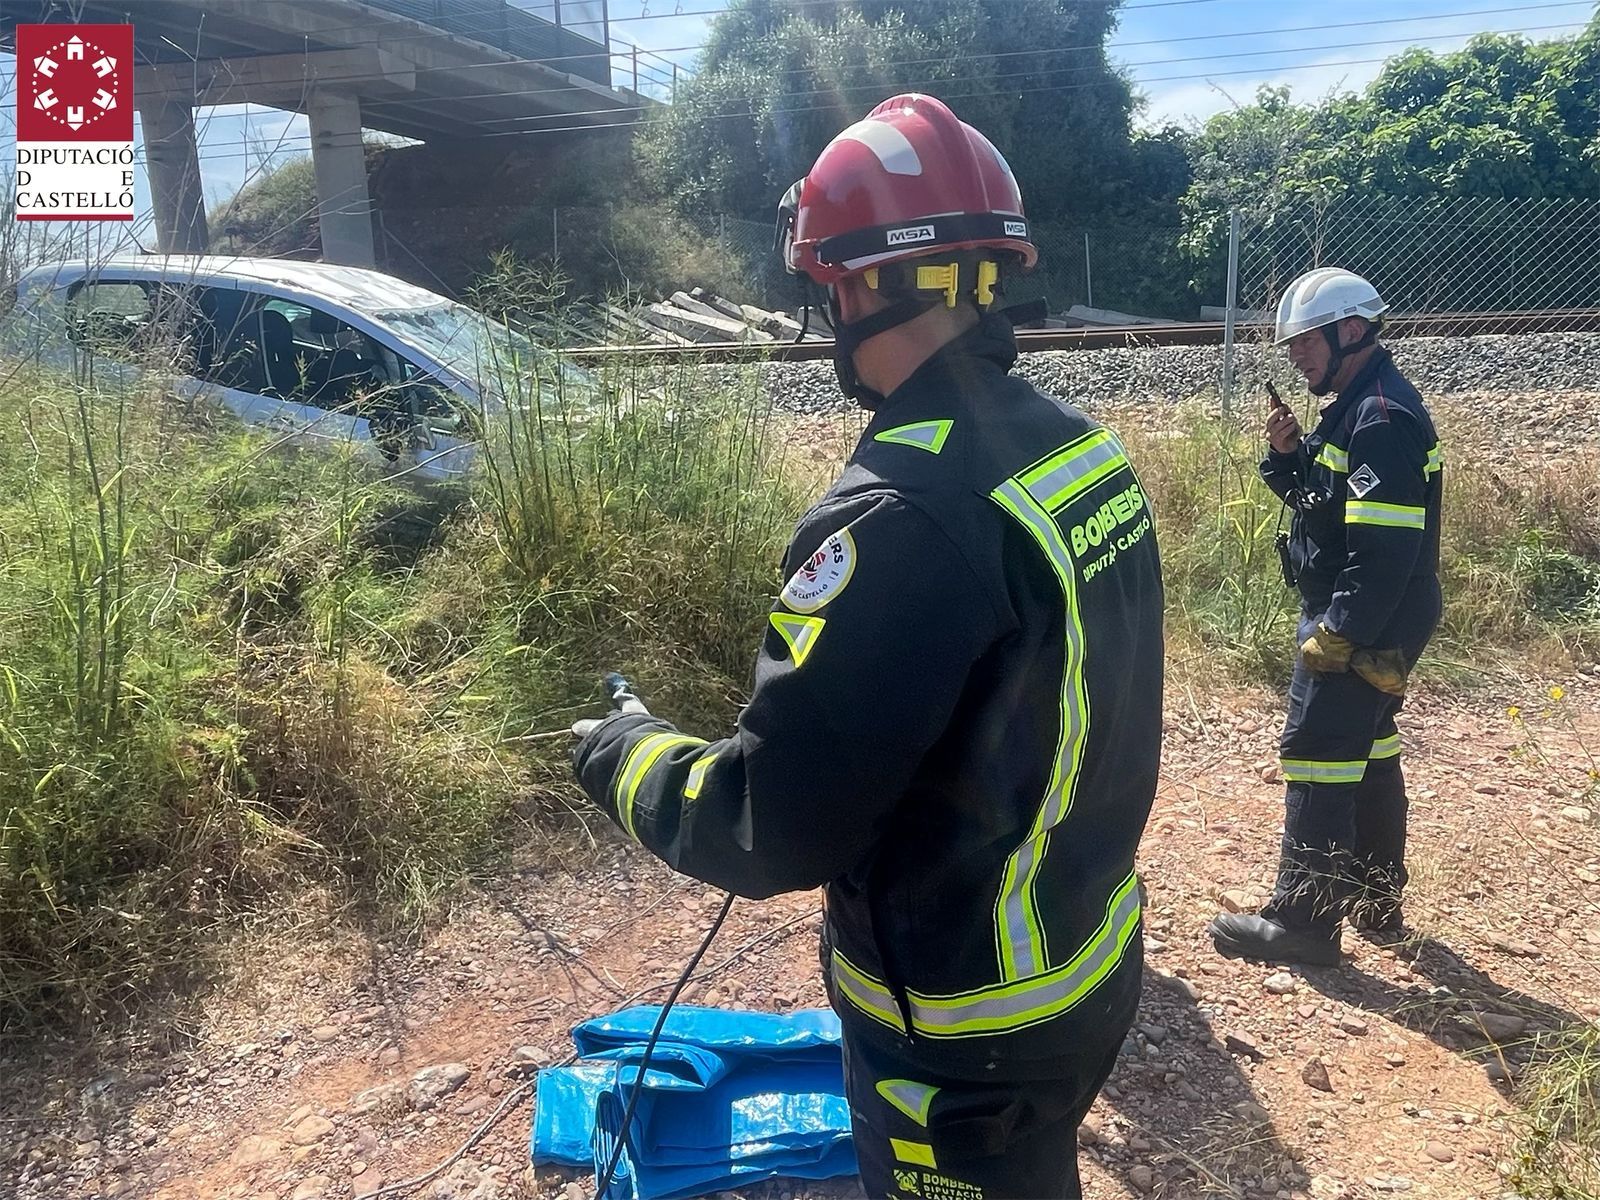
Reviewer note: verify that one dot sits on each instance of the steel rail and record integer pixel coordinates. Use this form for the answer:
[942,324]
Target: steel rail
[1196,333]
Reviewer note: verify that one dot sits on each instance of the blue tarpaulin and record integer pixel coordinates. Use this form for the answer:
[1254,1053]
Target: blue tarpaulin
[730,1098]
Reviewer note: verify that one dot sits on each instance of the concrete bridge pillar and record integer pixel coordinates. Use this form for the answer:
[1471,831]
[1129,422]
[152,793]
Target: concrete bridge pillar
[173,166]
[344,209]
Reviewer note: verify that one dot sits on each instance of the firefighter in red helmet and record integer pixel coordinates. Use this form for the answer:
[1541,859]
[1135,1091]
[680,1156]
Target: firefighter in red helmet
[956,717]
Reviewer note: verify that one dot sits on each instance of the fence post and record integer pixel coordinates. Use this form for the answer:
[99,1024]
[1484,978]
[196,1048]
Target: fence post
[1230,315]
[636,68]
[1088,273]
[555,233]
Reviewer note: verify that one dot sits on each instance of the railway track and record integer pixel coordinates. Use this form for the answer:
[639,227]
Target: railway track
[1198,333]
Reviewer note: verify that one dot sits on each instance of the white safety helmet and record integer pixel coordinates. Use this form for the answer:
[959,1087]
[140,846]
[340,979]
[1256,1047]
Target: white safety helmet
[1323,296]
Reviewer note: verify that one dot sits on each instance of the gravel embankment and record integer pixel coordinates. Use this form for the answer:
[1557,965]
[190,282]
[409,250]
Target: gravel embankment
[1501,394]
[1507,363]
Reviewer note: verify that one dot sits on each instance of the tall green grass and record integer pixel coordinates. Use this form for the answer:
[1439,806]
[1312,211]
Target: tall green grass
[232,668]
[1519,561]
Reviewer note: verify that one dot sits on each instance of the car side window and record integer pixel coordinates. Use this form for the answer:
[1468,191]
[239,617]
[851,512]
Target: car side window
[109,317]
[145,321]
[316,358]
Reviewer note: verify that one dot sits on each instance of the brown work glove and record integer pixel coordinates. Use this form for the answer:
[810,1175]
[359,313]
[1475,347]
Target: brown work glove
[1385,670]
[1326,651]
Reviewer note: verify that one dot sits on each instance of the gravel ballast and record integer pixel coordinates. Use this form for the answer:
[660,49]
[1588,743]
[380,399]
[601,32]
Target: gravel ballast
[1489,363]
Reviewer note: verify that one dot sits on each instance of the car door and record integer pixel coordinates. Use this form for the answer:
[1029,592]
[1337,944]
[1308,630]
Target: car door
[286,366]
[109,323]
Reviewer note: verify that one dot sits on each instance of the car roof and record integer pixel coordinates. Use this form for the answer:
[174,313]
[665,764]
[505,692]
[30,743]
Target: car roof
[366,291]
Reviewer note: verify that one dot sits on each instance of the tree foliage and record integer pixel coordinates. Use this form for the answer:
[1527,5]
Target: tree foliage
[1502,117]
[779,79]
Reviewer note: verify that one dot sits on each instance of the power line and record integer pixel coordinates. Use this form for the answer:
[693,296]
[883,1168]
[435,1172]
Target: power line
[378,104]
[627,56]
[1070,87]
[878,86]
[1040,71]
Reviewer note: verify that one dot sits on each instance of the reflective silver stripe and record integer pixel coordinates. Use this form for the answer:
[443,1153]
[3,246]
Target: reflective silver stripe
[1074,470]
[1020,934]
[644,755]
[1386,747]
[912,1098]
[1007,1007]
[870,995]
[1305,770]
[1394,516]
[1335,458]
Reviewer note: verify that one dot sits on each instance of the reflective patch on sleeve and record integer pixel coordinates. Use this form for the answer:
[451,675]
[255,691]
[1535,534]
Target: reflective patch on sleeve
[799,633]
[924,435]
[697,775]
[824,575]
[912,1098]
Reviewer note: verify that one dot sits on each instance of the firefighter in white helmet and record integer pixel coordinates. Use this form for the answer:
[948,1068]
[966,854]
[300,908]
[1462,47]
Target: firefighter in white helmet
[1363,551]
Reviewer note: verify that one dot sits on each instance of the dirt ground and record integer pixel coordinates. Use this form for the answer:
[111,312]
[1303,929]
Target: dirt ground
[1385,1075]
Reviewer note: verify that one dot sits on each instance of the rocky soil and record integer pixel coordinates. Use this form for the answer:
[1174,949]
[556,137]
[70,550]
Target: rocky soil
[334,1066]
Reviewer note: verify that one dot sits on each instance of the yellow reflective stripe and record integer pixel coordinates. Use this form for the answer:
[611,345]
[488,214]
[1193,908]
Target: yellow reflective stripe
[868,994]
[1385,747]
[1334,458]
[1007,1007]
[1020,936]
[1395,516]
[646,751]
[912,1098]
[1305,770]
[1074,469]
[1435,462]
[924,435]
[917,1153]
[697,775]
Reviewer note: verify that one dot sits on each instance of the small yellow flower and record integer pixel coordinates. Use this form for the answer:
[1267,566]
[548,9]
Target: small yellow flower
[1558,693]
[1513,712]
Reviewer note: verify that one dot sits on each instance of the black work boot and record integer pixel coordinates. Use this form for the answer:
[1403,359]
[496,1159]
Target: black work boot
[1247,935]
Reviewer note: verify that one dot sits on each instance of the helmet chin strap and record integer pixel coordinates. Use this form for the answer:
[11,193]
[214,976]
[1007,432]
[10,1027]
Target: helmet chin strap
[848,337]
[1337,354]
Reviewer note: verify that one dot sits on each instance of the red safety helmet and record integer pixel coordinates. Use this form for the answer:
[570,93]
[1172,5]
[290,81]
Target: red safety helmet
[910,179]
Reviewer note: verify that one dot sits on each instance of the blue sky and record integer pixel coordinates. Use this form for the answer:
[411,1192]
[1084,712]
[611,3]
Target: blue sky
[1189,59]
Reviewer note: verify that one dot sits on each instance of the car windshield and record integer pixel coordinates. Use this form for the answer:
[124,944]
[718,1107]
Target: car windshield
[476,347]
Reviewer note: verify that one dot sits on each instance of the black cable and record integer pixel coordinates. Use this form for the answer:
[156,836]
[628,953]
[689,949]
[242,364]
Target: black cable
[603,1182]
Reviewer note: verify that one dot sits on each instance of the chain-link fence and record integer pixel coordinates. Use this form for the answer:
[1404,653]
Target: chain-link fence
[1433,255]
[1428,256]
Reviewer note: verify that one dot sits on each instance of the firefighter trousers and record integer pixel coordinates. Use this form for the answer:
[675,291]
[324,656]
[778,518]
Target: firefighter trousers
[1344,835]
[925,1132]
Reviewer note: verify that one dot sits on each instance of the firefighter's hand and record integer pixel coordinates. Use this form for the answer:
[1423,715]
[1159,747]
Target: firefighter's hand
[622,701]
[1326,651]
[1385,670]
[1283,428]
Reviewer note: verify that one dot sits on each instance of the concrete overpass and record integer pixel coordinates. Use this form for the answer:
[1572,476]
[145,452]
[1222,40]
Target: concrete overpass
[424,69]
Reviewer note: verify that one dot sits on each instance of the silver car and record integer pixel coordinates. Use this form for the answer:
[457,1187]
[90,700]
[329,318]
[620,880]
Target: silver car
[316,351]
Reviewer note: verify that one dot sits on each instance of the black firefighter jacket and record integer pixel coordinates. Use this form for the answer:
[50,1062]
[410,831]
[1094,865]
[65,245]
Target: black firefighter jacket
[1366,485]
[955,725]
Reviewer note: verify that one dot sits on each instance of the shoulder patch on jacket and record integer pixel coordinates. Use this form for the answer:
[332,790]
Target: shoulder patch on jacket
[824,575]
[924,435]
